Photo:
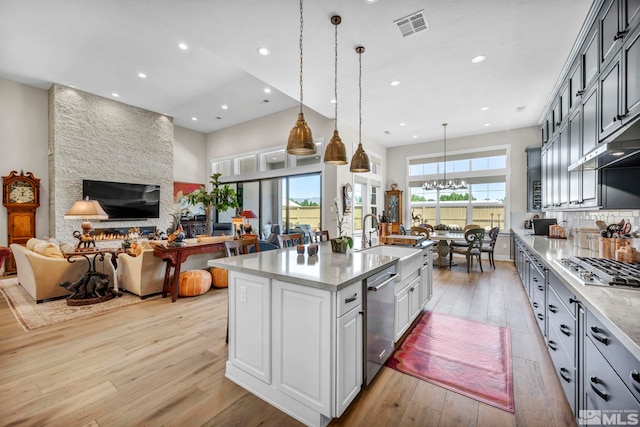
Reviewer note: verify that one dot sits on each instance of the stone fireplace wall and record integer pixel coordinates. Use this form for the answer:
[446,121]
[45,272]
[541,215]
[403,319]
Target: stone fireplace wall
[96,138]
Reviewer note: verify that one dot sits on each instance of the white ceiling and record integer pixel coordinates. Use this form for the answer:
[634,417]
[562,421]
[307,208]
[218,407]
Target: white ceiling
[100,46]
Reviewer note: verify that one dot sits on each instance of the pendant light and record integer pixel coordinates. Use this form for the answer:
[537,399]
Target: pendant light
[300,138]
[360,160]
[443,184]
[336,153]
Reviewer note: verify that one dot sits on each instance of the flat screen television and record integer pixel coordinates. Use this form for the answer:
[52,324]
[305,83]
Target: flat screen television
[123,200]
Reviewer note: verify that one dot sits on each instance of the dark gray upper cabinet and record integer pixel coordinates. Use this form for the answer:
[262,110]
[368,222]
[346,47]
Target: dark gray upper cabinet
[631,76]
[630,13]
[610,33]
[610,99]
[590,58]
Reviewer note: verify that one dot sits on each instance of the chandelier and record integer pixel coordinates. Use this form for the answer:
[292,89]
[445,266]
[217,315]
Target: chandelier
[444,183]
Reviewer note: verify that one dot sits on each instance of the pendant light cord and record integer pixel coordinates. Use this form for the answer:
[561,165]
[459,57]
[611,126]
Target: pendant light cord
[360,95]
[335,77]
[444,125]
[301,27]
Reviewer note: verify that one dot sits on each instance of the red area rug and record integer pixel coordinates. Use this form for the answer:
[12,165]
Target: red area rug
[467,357]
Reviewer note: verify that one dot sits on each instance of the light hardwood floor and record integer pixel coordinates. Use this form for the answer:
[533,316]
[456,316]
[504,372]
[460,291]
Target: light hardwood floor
[159,363]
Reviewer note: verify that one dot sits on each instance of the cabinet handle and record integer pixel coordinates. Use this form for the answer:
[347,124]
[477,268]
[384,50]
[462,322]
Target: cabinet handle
[579,93]
[553,308]
[352,299]
[597,334]
[558,124]
[619,35]
[594,381]
[565,374]
[573,300]
[534,304]
[541,288]
[552,345]
[619,117]
[635,380]
[565,330]
[540,316]
[412,289]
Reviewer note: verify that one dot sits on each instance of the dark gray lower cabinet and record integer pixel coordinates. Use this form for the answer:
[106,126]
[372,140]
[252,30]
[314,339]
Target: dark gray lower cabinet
[595,369]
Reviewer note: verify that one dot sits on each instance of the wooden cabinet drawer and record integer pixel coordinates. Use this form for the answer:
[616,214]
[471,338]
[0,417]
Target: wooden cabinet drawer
[565,369]
[603,389]
[349,297]
[620,359]
[563,323]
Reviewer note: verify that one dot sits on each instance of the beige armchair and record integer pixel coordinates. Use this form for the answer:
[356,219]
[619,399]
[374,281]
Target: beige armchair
[41,275]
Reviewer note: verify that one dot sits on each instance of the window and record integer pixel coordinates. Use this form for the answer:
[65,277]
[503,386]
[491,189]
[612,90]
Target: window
[273,160]
[484,202]
[247,165]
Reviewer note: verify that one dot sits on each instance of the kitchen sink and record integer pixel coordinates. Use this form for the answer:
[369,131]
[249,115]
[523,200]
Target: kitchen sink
[410,258]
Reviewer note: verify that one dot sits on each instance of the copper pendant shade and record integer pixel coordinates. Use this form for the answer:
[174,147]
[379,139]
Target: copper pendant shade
[360,160]
[336,152]
[300,138]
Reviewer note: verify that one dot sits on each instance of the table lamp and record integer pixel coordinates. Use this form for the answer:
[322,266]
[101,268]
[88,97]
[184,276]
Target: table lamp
[85,210]
[237,222]
[248,214]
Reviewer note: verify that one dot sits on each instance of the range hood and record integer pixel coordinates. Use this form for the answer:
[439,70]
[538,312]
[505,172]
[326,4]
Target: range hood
[619,150]
[610,154]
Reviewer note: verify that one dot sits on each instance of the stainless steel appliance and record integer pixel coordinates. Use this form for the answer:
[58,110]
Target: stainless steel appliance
[379,318]
[603,271]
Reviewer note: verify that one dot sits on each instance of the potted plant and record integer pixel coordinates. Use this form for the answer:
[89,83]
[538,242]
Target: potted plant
[340,243]
[221,198]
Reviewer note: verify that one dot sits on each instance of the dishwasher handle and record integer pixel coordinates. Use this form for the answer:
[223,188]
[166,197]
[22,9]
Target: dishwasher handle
[376,288]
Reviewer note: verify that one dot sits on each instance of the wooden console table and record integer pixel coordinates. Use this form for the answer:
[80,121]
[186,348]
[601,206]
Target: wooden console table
[175,256]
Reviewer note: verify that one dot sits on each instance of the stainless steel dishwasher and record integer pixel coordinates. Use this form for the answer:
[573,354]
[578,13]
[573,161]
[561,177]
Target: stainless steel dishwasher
[379,317]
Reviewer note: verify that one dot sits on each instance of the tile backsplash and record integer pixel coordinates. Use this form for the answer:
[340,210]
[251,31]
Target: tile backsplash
[588,218]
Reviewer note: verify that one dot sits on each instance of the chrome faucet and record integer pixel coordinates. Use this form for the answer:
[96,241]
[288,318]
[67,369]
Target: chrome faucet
[374,224]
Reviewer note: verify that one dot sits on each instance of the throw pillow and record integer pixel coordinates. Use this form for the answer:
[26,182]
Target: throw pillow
[32,242]
[48,249]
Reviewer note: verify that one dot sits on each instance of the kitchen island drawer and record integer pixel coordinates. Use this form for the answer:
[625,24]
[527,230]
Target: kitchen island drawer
[349,297]
[565,369]
[563,323]
[565,295]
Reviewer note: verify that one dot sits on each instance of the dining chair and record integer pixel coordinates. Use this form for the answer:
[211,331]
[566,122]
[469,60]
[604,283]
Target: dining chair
[419,231]
[474,238]
[320,236]
[428,227]
[489,246]
[462,243]
[286,240]
[241,246]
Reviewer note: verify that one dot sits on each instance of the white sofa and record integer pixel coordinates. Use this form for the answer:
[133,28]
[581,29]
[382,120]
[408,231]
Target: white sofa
[41,275]
[143,274]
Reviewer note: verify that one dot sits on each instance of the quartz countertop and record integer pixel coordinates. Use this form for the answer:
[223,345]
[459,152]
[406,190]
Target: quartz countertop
[327,270]
[618,309]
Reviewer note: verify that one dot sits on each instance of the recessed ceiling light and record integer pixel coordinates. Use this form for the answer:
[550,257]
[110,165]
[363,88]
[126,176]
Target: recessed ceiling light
[484,108]
[267,90]
[333,101]
[415,136]
[225,107]
[520,109]
[115,95]
[264,51]
[394,83]
[487,125]
[195,119]
[142,75]
[370,1]
[402,124]
[183,46]
[478,58]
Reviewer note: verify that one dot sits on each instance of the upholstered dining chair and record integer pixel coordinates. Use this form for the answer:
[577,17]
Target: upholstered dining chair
[488,246]
[286,240]
[320,236]
[474,238]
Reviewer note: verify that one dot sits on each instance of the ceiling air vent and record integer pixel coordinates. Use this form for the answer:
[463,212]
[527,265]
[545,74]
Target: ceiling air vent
[412,24]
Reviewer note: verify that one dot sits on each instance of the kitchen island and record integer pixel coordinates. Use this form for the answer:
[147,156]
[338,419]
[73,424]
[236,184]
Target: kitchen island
[296,323]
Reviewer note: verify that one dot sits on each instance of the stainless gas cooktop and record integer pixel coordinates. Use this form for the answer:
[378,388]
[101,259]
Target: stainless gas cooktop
[603,272]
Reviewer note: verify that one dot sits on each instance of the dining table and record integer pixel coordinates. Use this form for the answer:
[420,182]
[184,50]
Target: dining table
[443,240]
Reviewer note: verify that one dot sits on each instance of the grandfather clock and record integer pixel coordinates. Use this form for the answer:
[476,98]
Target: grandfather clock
[21,197]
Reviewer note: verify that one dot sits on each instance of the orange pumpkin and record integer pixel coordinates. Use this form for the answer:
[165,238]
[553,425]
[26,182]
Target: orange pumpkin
[220,277]
[194,282]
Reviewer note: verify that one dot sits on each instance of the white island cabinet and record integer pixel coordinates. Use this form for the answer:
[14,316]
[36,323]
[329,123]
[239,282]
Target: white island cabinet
[296,328]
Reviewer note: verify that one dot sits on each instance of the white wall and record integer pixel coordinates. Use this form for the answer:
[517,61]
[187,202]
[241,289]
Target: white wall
[273,130]
[23,144]
[190,156]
